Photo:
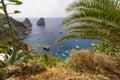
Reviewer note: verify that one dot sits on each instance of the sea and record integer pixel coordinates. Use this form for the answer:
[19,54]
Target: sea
[46,35]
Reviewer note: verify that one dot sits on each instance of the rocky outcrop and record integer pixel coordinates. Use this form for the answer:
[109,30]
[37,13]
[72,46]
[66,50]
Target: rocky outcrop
[46,47]
[20,29]
[27,22]
[41,22]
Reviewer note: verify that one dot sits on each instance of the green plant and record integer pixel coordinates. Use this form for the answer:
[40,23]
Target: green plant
[84,61]
[106,47]
[96,19]
[49,61]
[3,48]
[2,74]
[8,58]
[4,4]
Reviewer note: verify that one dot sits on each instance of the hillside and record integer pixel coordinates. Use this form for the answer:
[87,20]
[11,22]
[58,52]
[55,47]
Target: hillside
[82,65]
[20,31]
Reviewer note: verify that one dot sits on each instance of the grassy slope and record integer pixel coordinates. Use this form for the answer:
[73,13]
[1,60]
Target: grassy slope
[5,40]
[80,66]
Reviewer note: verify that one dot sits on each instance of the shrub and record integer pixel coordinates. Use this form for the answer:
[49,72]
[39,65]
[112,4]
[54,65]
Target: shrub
[107,48]
[20,68]
[3,48]
[11,58]
[2,74]
[48,60]
[80,59]
[95,63]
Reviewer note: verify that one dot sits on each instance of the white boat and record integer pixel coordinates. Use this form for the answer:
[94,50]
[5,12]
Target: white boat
[56,53]
[58,50]
[61,46]
[77,40]
[66,52]
[60,32]
[92,44]
[77,46]
[63,54]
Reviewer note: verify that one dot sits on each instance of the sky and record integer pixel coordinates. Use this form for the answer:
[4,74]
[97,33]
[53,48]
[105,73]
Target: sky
[41,8]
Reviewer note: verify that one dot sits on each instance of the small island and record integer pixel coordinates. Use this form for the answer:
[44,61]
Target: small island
[27,22]
[46,47]
[41,22]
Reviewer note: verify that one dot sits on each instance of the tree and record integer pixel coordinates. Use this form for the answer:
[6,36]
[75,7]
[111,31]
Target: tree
[96,19]
[3,6]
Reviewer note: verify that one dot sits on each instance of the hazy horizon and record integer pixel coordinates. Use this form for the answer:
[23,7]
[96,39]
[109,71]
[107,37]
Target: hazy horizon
[41,8]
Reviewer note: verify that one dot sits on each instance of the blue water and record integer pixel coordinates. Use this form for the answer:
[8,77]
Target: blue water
[46,35]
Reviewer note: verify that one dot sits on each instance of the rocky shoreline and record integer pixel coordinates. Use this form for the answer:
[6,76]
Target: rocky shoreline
[21,28]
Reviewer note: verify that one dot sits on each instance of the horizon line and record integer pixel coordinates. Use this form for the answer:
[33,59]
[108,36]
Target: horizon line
[38,17]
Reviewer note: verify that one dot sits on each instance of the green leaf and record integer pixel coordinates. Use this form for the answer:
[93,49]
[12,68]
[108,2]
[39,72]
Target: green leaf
[6,56]
[1,7]
[17,2]
[2,64]
[16,11]
[9,52]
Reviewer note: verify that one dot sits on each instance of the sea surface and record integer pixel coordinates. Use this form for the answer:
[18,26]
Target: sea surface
[46,35]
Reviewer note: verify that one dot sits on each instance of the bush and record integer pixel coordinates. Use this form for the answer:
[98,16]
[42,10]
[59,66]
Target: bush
[80,59]
[21,68]
[106,47]
[2,74]
[95,63]
[3,48]
[49,61]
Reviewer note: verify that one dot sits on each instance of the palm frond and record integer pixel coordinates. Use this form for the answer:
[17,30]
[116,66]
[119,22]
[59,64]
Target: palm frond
[97,19]
[67,37]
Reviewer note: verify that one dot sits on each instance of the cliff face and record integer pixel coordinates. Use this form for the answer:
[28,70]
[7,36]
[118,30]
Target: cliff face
[20,28]
[41,22]
[27,22]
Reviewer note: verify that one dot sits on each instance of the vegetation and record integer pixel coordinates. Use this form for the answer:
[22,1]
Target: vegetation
[27,66]
[105,47]
[84,61]
[47,60]
[11,32]
[96,19]
[84,66]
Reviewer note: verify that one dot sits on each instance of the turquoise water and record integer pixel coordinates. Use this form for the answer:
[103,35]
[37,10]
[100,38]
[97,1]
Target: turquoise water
[46,35]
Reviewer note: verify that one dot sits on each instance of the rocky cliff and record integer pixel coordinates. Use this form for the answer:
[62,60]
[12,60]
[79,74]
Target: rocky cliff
[27,22]
[41,22]
[20,28]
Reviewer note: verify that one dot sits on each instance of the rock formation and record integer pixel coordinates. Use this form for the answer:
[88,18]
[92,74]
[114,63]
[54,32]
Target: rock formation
[27,22]
[46,47]
[41,22]
[20,29]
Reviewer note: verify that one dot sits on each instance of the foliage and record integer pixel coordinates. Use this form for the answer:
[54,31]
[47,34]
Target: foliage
[96,19]
[48,60]
[20,68]
[84,61]
[3,48]
[2,74]
[16,2]
[9,59]
[106,47]
[11,32]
